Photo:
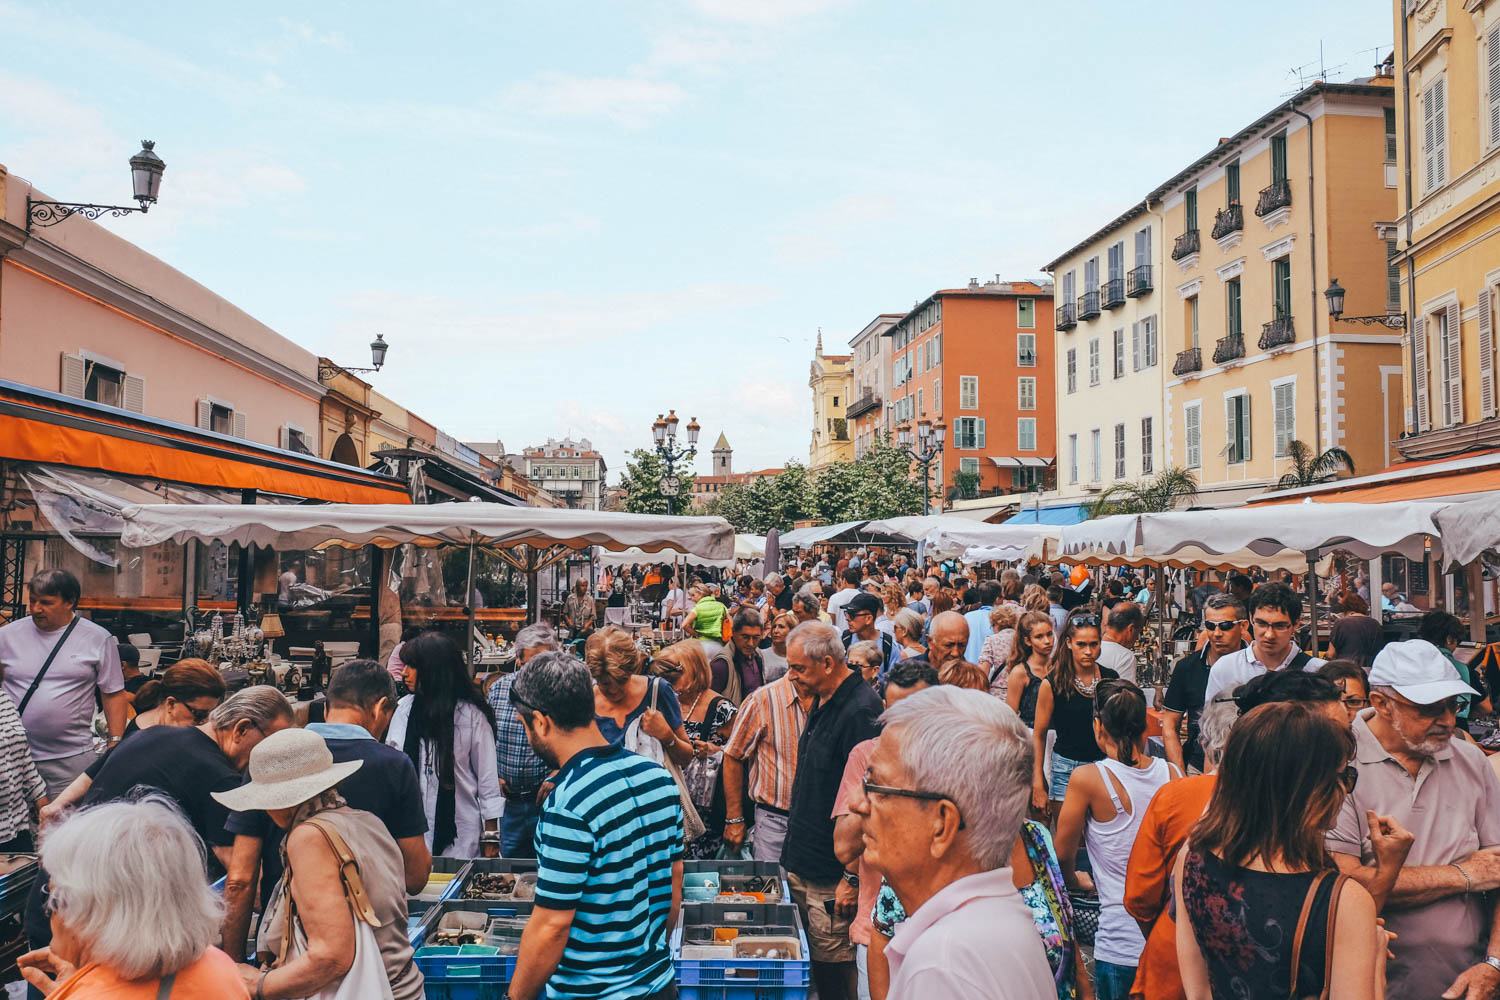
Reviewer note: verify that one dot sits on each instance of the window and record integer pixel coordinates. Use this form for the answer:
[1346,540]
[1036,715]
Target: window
[921,410]
[1147,443]
[968,433]
[920,355]
[1143,247]
[1435,135]
[221,419]
[969,465]
[1284,415]
[1192,432]
[1492,103]
[1072,369]
[1450,358]
[1117,261]
[1094,455]
[1068,287]
[1119,346]
[1026,314]
[1091,275]
[294,438]
[1278,158]
[1232,316]
[1072,458]
[1392,274]
[1119,451]
[101,381]
[105,384]
[1232,183]
[937,397]
[1027,480]
[937,348]
[1149,351]
[1281,286]
[1190,204]
[1390,134]
[1237,427]
[1026,393]
[1094,361]
[1192,320]
[835,401]
[968,392]
[1026,434]
[1026,350]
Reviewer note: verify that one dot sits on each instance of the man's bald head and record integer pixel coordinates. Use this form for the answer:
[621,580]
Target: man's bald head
[950,637]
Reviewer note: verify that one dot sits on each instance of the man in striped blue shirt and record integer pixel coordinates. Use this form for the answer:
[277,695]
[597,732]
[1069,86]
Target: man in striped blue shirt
[608,847]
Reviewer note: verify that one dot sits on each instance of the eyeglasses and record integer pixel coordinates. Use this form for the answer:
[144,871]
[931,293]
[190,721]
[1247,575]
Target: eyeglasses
[909,793]
[1228,626]
[1355,701]
[1271,626]
[522,705]
[1433,710]
[200,715]
[1349,777]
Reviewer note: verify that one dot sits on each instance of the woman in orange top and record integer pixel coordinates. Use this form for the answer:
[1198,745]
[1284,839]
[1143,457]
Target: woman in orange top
[133,917]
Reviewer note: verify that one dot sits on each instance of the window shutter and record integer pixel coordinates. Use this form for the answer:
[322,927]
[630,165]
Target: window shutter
[1453,372]
[284,438]
[239,424]
[1486,355]
[1494,84]
[1231,426]
[1440,129]
[1420,420]
[1246,425]
[205,414]
[1149,326]
[135,393]
[980,444]
[1135,346]
[73,382]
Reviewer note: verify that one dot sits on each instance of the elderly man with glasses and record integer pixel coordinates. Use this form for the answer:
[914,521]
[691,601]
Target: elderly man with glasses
[1274,609]
[1442,790]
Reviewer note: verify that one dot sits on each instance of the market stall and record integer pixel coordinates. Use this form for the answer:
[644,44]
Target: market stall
[977,542]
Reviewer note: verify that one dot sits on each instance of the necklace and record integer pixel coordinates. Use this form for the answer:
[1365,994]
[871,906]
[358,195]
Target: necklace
[694,706]
[1086,689]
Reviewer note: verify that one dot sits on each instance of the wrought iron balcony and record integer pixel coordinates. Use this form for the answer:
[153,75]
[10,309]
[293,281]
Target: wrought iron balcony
[1188,361]
[1026,359]
[1278,195]
[1228,220]
[1113,293]
[1277,333]
[1138,281]
[1088,305]
[1229,348]
[862,404]
[1065,317]
[1185,245]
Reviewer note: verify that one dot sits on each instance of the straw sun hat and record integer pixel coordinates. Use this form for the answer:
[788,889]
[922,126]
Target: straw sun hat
[286,769]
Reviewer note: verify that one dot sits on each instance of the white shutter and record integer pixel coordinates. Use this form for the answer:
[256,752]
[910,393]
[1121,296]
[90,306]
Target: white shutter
[1440,129]
[73,382]
[1493,59]
[1453,371]
[1193,431]
[134,391]
[980,442]
[205,414]
[1422,420]
[1135,346]
[1231,427]
[239,424]
[1246,426]
[1283,417]
[1486,355]
[284,438]
[1148,326]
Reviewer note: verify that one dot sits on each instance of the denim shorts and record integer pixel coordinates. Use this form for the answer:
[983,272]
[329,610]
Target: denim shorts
[1062,771]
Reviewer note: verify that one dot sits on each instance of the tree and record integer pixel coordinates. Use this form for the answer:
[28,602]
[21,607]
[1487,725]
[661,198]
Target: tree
[965,484]
[766,502]
[885,483]
[641,484]
[1309,471]
[1167,490]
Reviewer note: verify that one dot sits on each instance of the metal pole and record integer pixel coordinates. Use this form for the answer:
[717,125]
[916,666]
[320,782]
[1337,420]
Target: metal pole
[1311,586]
[469,604]
[1474,576]
[377,584]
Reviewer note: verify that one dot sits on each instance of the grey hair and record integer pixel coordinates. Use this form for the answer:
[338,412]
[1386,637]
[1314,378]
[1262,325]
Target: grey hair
[909,622]
[819,641]
[1222,600]
[869,647]
[538,635]
[773,578]
[1214,723]
[125,866]
[808,600]
[972,748]
[260,706]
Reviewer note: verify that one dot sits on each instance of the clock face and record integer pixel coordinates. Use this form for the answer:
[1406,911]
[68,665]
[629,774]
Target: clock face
[670,485]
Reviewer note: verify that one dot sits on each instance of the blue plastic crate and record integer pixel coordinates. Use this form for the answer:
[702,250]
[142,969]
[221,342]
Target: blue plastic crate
[731,993]
[434,915]
[729,869]
[452,975]
[741,978]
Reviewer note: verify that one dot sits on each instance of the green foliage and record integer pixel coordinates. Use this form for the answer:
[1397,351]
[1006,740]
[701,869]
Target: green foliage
[641,483]
[1308,470]
[879,484]
[1169,489]
[965,484]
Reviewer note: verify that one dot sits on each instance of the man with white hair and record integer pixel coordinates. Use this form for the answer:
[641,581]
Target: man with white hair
[941,807]
[522,773]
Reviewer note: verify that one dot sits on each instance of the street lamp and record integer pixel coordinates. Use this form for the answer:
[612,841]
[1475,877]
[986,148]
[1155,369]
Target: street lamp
[928,446]
[145,182]
[1334,293]
[664,435]
[378,348]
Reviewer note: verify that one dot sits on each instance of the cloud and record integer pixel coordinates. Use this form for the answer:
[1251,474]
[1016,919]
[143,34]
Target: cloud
[632,101]
[698,49]
[764,12]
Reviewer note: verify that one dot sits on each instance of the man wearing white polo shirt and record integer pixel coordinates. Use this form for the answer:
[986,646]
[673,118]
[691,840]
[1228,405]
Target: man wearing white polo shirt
[1274,610]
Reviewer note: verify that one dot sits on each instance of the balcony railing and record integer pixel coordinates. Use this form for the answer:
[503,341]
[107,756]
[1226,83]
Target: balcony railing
[1088,305]
[1229,348]
[1190,360]
[1026,359]
[1278,195]
[1065,318]
[1185,245]
[1228,220]
[1113,293]
[1138,281]
[862,404]
[1277,333]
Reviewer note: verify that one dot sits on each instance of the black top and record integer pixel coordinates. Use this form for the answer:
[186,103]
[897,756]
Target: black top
[183,763]
[784,599]
[834,727]
[1185,693]
[1028,697]
[1073,719]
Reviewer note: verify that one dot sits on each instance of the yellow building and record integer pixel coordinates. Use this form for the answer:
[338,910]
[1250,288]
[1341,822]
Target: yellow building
[1448,131]
[1256,229]
[832,381]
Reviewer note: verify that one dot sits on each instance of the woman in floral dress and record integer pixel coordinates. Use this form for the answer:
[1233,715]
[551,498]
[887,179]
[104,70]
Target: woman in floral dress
[707,717]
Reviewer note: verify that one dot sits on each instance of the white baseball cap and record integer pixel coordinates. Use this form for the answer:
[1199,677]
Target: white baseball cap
[1419,672]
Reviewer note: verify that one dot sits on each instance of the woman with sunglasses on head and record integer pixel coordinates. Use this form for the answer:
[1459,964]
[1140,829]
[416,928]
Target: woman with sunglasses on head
[1103,808]
[1258,898]
[707,718]
[1065,704]
[1030,663]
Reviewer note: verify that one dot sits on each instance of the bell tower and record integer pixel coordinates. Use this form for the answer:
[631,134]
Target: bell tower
[723,456]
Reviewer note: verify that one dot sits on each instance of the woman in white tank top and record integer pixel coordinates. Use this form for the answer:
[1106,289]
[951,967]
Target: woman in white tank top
[1104,806]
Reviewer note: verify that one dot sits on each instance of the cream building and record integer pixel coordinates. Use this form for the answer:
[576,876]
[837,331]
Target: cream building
[868,410]
[831,378]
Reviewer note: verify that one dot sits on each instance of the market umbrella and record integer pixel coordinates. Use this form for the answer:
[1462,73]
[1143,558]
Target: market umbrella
[1470,531]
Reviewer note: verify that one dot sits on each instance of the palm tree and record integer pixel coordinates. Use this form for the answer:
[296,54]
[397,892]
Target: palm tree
[1309,471]
[1169,489]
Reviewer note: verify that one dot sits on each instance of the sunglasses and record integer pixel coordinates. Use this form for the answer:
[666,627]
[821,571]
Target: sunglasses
[908,793]
[1349,777]
[1084,621]
[1222,626]
[1433,710]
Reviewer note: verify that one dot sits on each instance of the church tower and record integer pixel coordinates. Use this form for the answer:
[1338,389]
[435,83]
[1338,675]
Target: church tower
[723,456]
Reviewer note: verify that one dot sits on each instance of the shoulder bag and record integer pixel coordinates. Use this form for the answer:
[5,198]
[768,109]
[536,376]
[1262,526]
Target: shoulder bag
[36,681]
[638,741]
[1333,911]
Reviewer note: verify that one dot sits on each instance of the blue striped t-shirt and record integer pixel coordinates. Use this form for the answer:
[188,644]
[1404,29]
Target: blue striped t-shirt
[605,844]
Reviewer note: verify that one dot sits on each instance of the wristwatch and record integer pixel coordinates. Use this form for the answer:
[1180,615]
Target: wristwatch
[852,879]
[736,821]
[1492,962]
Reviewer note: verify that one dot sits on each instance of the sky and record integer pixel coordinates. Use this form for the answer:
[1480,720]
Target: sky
[567,217]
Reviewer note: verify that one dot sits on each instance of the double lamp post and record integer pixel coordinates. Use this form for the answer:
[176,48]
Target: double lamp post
[924,451]
[664,435]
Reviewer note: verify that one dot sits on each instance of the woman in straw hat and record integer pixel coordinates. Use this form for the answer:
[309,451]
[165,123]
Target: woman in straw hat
[336,924]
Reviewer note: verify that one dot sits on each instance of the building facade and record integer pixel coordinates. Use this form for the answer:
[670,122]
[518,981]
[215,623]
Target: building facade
[570,470]
[980,359]
[1107,314]
[707,488]
[867,410]
[1259,228]
[1448,136]
[831,378]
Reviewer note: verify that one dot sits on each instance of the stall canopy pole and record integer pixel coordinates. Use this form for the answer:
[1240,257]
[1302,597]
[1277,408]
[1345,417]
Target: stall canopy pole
[1474,576]
[189,586]
[1312,602]
[246,576]
[377,584]
[469,604]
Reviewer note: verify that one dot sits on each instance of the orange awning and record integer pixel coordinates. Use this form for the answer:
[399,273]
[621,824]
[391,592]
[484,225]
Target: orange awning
[1434,487]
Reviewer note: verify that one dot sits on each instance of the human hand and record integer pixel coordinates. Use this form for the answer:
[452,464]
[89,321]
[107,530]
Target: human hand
[544,791]
[249,975]
[1389,840]
[44,970]
[1084,882]
[734,835]
[1038,795]
[1478,982]
[845,900]
[653,723]
[49,813]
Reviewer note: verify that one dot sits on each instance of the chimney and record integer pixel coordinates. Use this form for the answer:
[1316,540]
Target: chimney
[973,284]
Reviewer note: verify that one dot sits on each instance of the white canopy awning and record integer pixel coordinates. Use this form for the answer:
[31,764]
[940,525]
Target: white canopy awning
[1470,530]
[1023,462]
[746,547]
[955,538]
[803,537]
[916,527]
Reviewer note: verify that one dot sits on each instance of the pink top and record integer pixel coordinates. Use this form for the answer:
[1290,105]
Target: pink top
[395,664]
[869,878]
[975,939]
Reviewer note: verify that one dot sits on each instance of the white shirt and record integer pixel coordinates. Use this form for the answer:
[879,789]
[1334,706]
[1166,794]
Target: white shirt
[1117,658]
[1233,669]
[836,605]
[285,583]
[59,719]
[476,795]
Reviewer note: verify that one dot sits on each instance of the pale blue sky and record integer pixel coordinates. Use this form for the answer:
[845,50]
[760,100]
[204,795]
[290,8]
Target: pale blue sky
[570,216]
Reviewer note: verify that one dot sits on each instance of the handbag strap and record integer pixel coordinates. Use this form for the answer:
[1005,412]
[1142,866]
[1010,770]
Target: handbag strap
[1307,905]
[354,886]
[165,989]
[36,681]
[1333,915]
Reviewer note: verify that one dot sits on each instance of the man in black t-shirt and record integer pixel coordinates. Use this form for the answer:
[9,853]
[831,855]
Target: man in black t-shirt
[1223,619]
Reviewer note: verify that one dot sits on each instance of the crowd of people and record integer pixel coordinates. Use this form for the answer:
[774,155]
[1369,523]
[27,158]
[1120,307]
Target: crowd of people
[965,787]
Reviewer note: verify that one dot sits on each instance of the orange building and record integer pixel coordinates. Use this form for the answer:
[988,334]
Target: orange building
[981,359]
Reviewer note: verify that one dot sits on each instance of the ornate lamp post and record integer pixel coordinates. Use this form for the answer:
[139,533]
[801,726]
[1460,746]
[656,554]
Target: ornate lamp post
[664,435]
[1335,296]
[378,348]
[145,180]
[924,451]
